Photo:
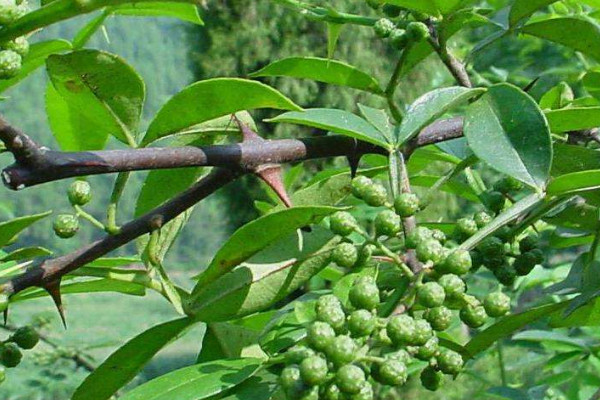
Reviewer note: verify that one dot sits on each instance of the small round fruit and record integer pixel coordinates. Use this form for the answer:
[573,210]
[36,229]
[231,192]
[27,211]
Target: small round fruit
[19,45]
[507,185]
[66,226]
[313,370]
[398,39]
[361,323]
[311,393]
[431,379]
[375,195]
[342,223]
[383,27]
[401,329]
[350,379]
[365,393]
[491,247]
[466,227]
[449,361]
[538,256]
[417,236]
[360,185]
[458,262]
[392,372]
[529,243]
[417,31]
[423,332]
[473,315]
[364,294]
[10,355]
[320,335]
[431,294]
[291,381]
[10,64]
[482,219]
[400,355]
[524,264]
[438,235]
[430,250]
[25,337]
[387,223]
[365,255]
[439,318]
[494,201]
[407,205]
[342,350]
[345,255]
[506,274]
[496,304]
[429,349]
[80,193]
[297,354]
[332,392]
[453,285]
[329,310]
[10,11]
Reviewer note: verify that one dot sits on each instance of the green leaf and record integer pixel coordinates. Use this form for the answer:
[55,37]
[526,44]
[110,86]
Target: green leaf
[182,11]
[522,9]
[333,34]
[321,70]
[102,87]
[213,98]
[508,325]
[197,382]
[507,130]
[379,119]
[85,34]
[258,234]
[91,286]
[574,183]
[579,33]
[26,253]
[591,83]
[268,277]
[573,119]
[38,52]
[432,106]
[337,121]
[540,336]
[425,6]
[557,97]
[570,158]
[585,315]
[125,363]
[9,229]
[259,387]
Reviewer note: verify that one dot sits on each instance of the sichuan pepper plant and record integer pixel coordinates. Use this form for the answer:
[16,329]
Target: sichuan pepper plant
[347,287]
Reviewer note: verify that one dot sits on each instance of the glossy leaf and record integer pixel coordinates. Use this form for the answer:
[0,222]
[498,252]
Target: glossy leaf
[125,363]
[38,52]
[89,286]
[337,121]
[321,70]
[213,98]
[432,106]
[258,234]
[558,97]
[591,82]
[102,87]
[522,9]
[507,130]
[425,6]
[579,33]
[379,119]
[182,11]
[26,253]
[9,229]
[87,32]
[570,158]
[197,382]
[573,119]
[575,182]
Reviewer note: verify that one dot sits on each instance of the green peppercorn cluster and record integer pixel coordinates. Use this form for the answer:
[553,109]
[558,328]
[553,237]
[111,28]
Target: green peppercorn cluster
[13,51]
[400,26]
[67,225]
[23,338]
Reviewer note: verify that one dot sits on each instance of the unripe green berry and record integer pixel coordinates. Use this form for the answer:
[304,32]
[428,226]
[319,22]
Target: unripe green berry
[529,243]
[504,234]
[458,262]
[431,294]
[494,201]
[450,362]
[387,223]
[333,392]
[438,235]
[329,310]
[430,250]
[538,256]
[453,285]
[429,349]
[320,335]
[419,16]
[19,45]
[25,337]
[401,329]
[291,381]
[506,274]
[524,264]
[342,223]
[417,31]
[342,350]
[398,39]
[311,393]
[80,193]
[10,355]
[400,355]
[10,64]
[473,315]
[313,370]
[361,323]
[365,255]
[66,226]
[365,393]
[10,12]
[466,227]
[393,373]
[423,332]
[297,354]
[482,219]
[345,255]
[417,236]
[350,379]
[491,247]
[439,318]
[407,205]
[496,304]
[364,294]
[375,195]
[431,379]
[507,185]
[383,27]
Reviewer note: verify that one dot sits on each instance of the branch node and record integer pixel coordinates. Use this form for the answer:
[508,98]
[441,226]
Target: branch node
[156,222]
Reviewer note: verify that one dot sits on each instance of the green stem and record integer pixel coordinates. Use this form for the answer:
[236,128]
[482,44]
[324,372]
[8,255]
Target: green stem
[501,364]
[397,260]
[83,214]
[111,215]
[138,277]
[390,90]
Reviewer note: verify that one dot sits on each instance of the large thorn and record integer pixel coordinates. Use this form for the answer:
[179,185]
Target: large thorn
[5,315]
[272,176]
[354,160]
[53,290]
